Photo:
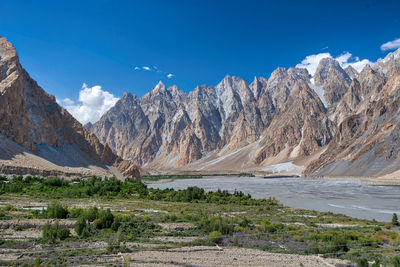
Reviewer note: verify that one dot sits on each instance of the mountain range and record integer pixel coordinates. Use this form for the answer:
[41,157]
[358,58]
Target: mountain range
[336,123]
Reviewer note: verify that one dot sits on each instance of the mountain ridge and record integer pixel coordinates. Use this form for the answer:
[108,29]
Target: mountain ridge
[289,117]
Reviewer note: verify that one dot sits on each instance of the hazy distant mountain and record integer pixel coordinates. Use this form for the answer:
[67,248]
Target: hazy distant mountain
[39,137]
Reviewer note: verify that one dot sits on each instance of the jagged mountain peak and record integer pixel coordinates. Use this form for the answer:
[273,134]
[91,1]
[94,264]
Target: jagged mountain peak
[390,63]
[333,79]
[258,85]
[367,68]
[160,87]
[129,96]
[352,72]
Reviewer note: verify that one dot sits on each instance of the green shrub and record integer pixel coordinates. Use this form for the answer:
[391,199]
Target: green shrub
[116,224]
[81,227]
[54,181]
[54,233]
[17,228]
[56,210]
[91,214]
[215,237]
[106,218]
[395,220]
[362,262]
[218,223]
[9,207]
[76,213]
[396,261]
[133,227]
[169,218]
[97,223]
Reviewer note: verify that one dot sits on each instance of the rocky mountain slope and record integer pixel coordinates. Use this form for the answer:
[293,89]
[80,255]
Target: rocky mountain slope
[40,137]
[337,123]
[367,142]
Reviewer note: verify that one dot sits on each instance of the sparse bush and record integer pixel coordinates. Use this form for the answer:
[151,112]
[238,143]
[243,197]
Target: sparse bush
[114,244]
[9,207]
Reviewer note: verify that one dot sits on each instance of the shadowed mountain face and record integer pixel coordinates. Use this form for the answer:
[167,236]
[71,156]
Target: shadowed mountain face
[339,122]
[43,133]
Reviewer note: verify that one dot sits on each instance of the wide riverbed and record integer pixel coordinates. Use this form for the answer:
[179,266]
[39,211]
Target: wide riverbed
[347,197]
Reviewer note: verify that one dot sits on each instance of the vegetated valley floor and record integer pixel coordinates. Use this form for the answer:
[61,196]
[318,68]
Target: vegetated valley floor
[113,223]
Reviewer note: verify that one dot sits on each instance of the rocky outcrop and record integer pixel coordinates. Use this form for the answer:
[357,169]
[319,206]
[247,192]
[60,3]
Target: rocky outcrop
[31,118]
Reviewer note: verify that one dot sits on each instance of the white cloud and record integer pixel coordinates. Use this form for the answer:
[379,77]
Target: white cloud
[346,59]
[358,65]
[311,62]
[156,70]
[93,102]
[391,45]
[67,101]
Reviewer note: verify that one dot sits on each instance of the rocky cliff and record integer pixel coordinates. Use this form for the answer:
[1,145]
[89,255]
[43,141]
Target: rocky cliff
[42,136]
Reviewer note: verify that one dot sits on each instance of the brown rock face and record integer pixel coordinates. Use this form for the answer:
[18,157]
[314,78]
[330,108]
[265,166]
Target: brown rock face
[31,118]
[333,79]
[366,143]
[299,129]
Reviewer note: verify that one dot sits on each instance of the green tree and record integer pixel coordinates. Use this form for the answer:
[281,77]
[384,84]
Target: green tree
[56,210]
[395,220]
[54,233]
[81,228]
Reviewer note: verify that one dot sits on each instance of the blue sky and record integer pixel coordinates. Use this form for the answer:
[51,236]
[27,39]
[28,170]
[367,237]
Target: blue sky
[64,44]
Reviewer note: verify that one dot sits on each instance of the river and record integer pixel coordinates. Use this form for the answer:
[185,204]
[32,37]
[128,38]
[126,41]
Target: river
[346,197]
